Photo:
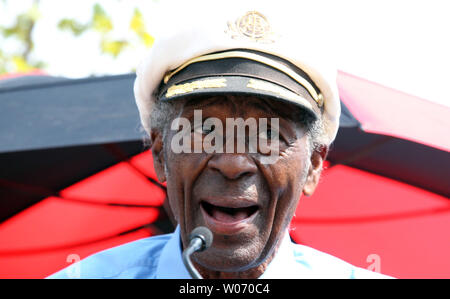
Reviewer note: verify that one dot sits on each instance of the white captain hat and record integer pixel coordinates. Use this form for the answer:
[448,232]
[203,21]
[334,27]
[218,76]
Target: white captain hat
[252,49]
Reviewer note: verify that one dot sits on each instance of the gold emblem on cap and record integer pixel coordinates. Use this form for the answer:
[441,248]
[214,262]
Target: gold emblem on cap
[253,25]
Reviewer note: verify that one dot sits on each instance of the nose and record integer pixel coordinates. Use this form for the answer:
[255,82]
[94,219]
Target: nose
[233,166]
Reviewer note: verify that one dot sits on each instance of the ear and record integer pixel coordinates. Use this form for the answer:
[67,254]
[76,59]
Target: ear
[158,155]
[315,170]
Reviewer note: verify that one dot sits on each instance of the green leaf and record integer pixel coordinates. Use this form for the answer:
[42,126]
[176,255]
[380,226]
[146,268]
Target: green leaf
[2,63]
[34,13]
[138,26]
[21,29]
[147,39]
[113,47]
[21,65]
[137,22]
[73,26]
[100,20]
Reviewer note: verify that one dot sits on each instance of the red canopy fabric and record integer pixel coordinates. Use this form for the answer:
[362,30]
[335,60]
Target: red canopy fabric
[34,72]
[37,241]
[355,214]
[386,111]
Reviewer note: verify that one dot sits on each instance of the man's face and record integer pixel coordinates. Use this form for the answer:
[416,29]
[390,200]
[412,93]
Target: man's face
[245,203]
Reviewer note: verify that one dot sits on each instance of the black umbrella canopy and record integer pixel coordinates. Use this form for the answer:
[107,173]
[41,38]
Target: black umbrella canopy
[57,131]
[47,112]
[403,160]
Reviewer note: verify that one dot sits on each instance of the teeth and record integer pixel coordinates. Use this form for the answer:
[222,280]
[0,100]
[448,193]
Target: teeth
[224,214]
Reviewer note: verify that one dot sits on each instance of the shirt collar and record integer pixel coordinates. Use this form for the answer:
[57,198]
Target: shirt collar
[283,264]
[171,263]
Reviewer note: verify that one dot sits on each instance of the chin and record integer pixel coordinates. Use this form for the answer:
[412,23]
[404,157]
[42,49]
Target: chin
[237,259]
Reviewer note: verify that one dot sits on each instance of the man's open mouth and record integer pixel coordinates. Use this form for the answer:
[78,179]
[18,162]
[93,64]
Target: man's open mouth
[228,214]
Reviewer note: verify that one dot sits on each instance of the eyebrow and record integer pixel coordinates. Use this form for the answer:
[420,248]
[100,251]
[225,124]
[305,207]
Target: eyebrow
[203,102]
[260,104]
[266,105]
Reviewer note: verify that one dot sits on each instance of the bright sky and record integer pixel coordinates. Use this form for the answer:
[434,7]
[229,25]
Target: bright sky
[403,44]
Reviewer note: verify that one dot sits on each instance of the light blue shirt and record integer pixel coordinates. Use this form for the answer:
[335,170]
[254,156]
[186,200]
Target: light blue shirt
[161,257]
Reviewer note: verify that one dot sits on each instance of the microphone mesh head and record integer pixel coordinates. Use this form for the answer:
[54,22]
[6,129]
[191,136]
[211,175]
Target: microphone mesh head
[204,233]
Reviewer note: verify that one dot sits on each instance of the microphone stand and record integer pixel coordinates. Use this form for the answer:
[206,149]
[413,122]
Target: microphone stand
[195,245]
[201,239]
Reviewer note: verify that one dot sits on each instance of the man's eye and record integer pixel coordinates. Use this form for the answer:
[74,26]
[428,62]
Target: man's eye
[268,134]
[204,130]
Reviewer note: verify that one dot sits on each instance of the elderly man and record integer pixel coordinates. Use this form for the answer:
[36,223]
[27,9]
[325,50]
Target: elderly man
[240,116]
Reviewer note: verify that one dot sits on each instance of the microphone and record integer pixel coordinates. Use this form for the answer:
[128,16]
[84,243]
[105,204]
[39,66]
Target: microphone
[200,239]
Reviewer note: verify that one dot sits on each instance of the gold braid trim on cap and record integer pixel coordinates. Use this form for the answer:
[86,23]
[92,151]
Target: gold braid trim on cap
[190,87]
[255,57]
[270,87]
